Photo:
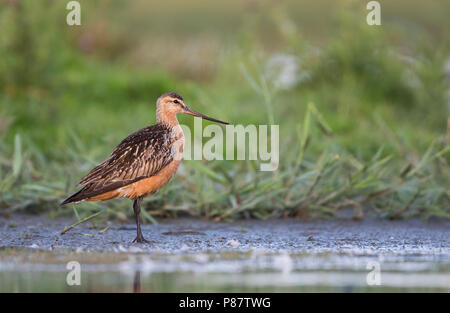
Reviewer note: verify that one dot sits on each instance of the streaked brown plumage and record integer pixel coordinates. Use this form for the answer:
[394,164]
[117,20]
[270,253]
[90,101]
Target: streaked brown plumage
[140,155]
[142,163]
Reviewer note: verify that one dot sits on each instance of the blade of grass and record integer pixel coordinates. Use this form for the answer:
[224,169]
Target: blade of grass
[17,158]
[84,220]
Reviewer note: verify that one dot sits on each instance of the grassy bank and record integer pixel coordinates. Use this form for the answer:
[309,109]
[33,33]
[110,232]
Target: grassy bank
[363,118]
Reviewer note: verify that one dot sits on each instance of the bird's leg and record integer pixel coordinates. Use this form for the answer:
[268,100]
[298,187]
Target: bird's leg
[137,214]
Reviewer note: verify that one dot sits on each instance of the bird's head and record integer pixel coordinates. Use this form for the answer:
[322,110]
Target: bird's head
[171,103]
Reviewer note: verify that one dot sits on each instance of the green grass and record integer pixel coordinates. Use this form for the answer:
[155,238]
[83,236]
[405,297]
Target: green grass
[366,130]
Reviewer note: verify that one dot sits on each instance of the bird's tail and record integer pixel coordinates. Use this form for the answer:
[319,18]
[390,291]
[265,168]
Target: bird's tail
[76,197]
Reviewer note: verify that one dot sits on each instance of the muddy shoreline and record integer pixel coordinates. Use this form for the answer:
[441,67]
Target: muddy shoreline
[188,255]
[293,235]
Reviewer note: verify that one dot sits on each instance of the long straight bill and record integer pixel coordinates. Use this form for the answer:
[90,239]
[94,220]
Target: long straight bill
[192,112]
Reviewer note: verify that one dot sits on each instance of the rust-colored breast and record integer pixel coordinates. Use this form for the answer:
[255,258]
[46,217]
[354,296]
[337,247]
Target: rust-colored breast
[151,185]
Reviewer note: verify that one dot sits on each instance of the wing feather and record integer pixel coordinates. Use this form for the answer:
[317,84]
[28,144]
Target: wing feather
[142,154]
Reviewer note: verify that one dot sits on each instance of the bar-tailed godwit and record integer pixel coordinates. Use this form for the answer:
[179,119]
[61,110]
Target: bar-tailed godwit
[142,163]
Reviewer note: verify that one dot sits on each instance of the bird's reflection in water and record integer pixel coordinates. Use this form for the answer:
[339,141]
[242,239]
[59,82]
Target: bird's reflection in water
[137,282]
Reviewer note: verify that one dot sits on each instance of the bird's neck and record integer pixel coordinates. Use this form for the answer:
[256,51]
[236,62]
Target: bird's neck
[166,117]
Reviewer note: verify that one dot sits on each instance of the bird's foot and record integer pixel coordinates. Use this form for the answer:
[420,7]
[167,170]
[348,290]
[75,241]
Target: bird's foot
[140,239]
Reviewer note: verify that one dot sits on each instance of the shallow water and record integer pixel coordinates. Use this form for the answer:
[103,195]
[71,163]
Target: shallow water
[196,256]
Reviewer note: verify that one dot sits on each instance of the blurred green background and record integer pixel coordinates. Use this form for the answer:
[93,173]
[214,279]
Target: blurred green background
[363,110]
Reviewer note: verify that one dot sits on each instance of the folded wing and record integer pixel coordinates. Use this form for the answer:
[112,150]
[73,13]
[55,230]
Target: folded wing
[141,155]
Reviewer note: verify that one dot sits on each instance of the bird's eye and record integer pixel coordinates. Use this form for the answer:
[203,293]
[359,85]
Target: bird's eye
[176,101]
